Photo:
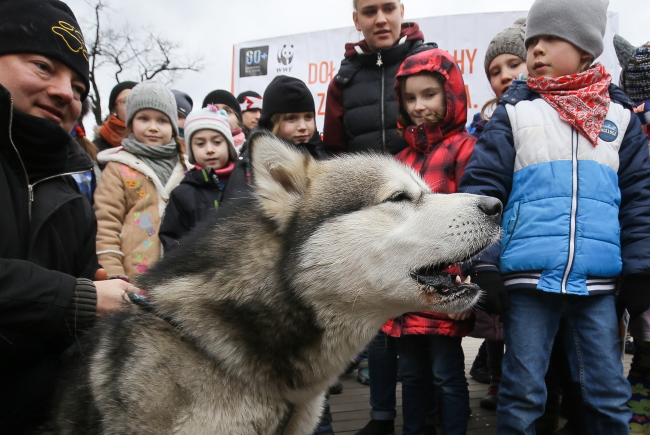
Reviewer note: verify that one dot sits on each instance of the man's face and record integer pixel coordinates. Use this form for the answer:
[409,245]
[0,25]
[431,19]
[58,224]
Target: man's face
[43,87]
[380,21]
[251,118]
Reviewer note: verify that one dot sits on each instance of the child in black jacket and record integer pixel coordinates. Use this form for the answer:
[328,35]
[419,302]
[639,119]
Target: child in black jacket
[219,175]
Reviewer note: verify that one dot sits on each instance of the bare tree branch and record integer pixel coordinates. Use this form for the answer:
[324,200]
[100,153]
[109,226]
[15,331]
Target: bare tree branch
[121,51]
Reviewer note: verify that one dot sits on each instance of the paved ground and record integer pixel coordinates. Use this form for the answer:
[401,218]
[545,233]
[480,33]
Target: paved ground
[350,410]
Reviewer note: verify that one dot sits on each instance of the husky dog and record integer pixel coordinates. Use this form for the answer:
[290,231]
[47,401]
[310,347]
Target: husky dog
[255,315]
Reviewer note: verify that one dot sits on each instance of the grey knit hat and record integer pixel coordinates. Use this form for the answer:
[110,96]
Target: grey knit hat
[510,40]
[635,61]
[152,95]
[581,22]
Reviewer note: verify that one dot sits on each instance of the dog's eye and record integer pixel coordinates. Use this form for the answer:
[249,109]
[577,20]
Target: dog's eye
[399,197]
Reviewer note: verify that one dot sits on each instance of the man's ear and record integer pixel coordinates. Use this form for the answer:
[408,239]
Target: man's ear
[280,176]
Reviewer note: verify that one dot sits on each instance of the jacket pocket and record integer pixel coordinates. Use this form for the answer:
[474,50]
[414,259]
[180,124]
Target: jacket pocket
[509,227]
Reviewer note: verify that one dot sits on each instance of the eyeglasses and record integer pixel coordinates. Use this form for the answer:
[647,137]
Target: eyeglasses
[121,102]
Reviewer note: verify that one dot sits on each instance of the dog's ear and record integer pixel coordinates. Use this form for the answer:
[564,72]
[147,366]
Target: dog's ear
[280,175]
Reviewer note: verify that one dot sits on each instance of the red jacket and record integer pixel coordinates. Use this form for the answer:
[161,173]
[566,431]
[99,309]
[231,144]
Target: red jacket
[439,152]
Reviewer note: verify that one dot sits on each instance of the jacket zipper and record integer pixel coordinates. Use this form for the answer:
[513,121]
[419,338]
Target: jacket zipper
[383,116]
[574,208]
[30,187]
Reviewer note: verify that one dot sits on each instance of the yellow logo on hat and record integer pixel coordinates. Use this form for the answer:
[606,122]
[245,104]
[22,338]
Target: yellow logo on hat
[72,37]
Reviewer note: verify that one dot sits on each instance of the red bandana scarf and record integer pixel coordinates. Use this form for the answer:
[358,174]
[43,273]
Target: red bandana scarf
[581,99]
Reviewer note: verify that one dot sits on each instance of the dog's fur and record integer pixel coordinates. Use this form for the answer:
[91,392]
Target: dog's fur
[272,302]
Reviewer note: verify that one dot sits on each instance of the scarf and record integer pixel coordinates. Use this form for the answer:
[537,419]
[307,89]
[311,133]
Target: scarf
[224,173]
[238,138]
[580,99]
[161,158]
[112,130]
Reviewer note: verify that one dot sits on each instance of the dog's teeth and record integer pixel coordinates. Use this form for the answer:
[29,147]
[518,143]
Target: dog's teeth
[458,279]
[468,280]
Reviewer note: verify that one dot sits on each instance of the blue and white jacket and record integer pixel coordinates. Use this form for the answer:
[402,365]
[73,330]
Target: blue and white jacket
[575,216]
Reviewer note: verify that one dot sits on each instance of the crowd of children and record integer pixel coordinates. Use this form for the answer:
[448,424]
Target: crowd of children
[564,150]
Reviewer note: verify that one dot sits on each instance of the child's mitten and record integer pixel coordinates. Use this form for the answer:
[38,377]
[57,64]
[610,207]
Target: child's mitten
[495,298]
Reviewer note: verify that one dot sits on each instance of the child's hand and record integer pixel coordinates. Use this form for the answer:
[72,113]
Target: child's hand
[495,299]
[461,316]
[635,294]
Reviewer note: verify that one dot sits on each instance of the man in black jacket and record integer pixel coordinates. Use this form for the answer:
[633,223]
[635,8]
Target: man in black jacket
[47,228]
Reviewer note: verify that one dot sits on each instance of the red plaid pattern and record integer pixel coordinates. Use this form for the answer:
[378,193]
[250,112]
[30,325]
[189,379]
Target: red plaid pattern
[439,153]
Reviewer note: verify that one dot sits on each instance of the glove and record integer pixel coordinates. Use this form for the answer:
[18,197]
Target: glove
[635,294]
[495,298]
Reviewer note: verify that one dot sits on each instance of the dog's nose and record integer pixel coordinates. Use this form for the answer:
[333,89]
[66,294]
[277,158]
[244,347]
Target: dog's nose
[491,207]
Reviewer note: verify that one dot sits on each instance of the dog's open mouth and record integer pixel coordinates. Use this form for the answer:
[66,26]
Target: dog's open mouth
[441,280]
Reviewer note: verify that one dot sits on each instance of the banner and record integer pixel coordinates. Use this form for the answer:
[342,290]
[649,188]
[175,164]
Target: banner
[316,56]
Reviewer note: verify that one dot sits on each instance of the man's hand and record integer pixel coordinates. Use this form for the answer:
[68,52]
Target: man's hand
[111,295]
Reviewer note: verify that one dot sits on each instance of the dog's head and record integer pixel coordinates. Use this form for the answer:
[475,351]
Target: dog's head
[368,229]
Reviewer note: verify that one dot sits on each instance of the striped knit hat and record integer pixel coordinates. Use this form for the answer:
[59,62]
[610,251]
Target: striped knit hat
[635,61]
[208,118]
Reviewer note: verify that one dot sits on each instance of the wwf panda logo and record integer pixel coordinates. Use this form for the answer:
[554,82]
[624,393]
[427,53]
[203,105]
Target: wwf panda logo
[285,54]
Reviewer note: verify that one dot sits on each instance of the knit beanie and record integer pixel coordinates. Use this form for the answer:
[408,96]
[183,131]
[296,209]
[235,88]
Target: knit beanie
[116,91]
[580,22]
[208,118]
[152,95]
[45,27]
[221,96]
[635,61]
[184,102]
[510,40]
[249,100]
[285,95]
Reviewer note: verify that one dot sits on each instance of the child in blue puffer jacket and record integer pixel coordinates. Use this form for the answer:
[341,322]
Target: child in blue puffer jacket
[566,155]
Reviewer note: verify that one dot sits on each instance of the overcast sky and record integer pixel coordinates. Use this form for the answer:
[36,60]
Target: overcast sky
[212,27]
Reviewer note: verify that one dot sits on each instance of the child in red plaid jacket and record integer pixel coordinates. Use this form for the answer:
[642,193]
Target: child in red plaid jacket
[433,113]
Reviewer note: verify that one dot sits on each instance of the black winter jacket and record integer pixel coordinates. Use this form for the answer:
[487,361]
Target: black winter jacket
[364,87]
[47,241]
[197,198]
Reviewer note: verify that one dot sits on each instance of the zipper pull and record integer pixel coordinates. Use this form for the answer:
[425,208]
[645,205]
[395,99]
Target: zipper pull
[379,62]
[30,190]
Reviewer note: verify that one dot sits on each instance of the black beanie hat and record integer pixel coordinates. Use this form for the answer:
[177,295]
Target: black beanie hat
[45,27]
[184,102]
[116,91]
[285,95]
[221,96]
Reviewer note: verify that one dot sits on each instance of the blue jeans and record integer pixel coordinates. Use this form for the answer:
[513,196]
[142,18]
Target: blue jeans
[425,361]
[382,369]
[593,349]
